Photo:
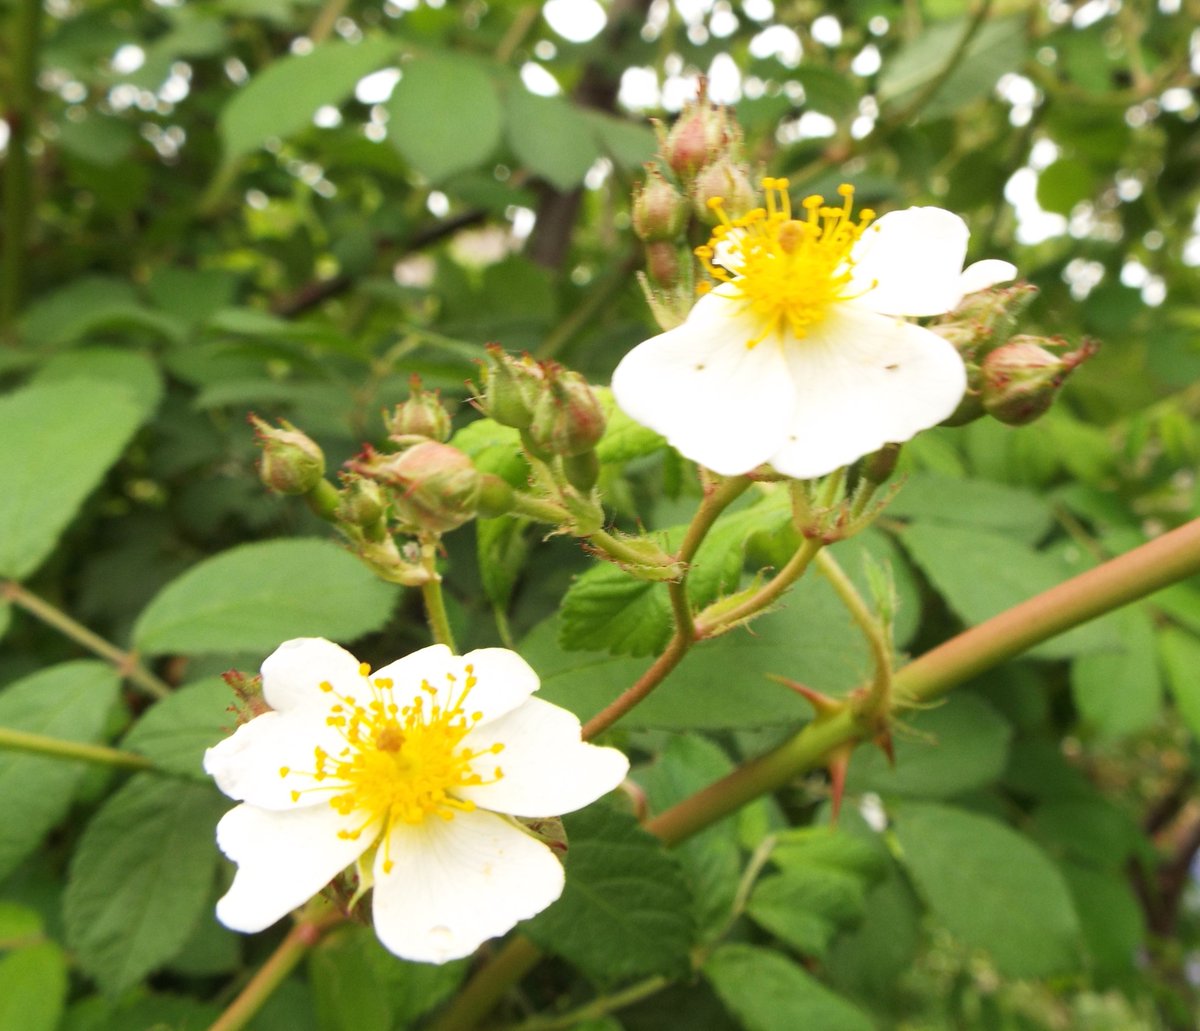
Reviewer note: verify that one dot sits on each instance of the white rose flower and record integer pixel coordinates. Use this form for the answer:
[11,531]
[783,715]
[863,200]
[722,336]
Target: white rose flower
[414,771]
[799,358]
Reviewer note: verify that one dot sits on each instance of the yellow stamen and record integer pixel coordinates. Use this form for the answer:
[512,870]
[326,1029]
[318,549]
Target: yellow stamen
[787,272]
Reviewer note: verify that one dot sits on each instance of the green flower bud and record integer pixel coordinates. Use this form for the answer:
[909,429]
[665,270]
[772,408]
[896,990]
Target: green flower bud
[421,417]
[435,487]
[511,387]
[582,471]
[984,320]
[496,497]
[727,181]
[568,419]
[362,504]
[1021,378]
[291,463]
[660,211]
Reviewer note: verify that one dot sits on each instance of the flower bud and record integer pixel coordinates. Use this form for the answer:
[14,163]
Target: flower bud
[970,407]
[511,386]
[726,181]
[660,211]
[582,471]
[421,417]
[362,504]
[984,320]
[1021,378]
[568,419]
[436,486]
[496,496]
[662,263]
[701,133]
[291,463]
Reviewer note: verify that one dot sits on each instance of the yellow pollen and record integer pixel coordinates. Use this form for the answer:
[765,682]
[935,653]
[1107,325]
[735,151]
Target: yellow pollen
[787,272]
[398,764]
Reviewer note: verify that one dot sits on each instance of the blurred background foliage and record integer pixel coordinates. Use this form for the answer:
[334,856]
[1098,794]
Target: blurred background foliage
[287,206]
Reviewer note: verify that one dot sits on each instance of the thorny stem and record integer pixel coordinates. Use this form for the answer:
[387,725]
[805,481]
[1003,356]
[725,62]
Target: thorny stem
[302,937]
[127,663]
[879,701]
[40,744]
[1166,560]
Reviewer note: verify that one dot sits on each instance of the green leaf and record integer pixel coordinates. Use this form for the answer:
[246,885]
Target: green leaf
[1114,927]
[991,887]
[960,746]
[59,440]
[550,137]
[982,504]
[625,910]
[998,47]
[282,99]
[831,92]
[624,439]
[1119,693]
[630,144]
[135,372]
[1063,184]
[766,992]
[121,926]
[606,608]
[87,305]
[1180,653]
[981,574]
[175,731]
[444,115]
[71,702]
[252,598]
[502,545]
[33,988]
[1089,831]
[494,449]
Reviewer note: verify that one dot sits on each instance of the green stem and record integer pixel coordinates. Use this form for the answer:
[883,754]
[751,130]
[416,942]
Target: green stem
[435,613]
[879,701]
[595,1009]
[623,551]
[716,619]
[539,509]
[20,115]
[40,744]
[1164,561]
[127,663]
[302,937]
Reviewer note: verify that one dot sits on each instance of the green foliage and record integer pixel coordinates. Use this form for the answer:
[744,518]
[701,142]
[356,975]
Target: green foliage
[173,733]
[33,987]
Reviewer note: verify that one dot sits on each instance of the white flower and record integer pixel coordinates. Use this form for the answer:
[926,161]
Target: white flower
[410,771]
[799,357]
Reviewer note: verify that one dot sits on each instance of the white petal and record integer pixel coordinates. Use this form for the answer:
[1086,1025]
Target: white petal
[721,403]
[910,262]
[283,860]
[424,666]
[864,380]
[293,672]
[456,883]
[979,275]
[250,765]
[547,769]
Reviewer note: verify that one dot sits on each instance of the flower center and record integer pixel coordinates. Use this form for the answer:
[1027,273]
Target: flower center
[787,272]
[397,764]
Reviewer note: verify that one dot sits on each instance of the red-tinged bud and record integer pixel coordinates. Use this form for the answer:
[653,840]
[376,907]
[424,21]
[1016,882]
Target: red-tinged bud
[662,264]
[726,182]
[660,211]
[435,486]
[362,504]
[291,463]
[984,320]
[1021,378]
[702,132]
[511,388]
[421,417]
[567,419]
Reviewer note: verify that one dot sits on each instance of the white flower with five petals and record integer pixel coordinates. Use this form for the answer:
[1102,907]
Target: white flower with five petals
[800,357]
[414,771]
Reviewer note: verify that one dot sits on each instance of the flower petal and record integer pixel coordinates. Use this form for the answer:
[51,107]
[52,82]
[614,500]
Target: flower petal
[910,262]
[424,666]
[721,403]
[979,275]
[265,760]
[283,860]
[863,380]
[547,769]
[455,883]
[293,672]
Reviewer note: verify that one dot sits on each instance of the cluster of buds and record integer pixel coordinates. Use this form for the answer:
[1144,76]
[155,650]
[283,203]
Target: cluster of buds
[699,160]
[555,409]
[1014,379]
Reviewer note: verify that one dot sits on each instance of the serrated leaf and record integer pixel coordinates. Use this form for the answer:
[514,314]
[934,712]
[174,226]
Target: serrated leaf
[981,574]
[283,98]
[992,887]
[550,137]
[81,427]
[444,115]
[1180,653]
[71,702]
[1119,692]
[252,598]
[33,988]
[175,731]
[766,992]
[981,504]
[960,746]
[625,910]
[607,609]
[121,926]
